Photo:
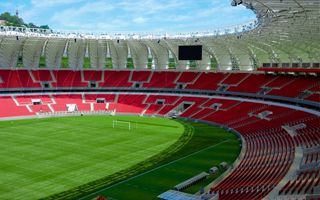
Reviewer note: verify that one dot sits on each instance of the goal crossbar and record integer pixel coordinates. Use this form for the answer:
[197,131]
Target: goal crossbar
[117,122]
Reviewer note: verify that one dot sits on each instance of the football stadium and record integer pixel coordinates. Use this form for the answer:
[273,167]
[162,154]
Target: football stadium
[232,113]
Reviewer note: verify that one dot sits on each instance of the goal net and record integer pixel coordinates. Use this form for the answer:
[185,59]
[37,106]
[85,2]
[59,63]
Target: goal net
[121,124]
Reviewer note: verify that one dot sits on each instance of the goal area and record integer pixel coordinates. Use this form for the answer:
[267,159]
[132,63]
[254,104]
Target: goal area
[121,124]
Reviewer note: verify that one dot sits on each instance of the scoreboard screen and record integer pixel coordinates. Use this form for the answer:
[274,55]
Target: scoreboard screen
[191,52]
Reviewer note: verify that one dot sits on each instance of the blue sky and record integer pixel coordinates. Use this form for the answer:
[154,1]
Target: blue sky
[130,16]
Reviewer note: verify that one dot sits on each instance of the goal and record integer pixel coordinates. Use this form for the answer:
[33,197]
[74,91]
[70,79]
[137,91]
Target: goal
[121,124]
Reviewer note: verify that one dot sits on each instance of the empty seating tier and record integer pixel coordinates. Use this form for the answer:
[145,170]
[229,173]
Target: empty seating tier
[281,86]
[269,148]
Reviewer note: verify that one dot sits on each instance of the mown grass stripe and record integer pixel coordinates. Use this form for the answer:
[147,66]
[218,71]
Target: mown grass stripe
[154,169]
[41,157]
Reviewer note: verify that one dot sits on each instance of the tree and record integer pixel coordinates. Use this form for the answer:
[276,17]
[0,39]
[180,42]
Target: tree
[31,25]
[44,27]
[5,16]
[13,20]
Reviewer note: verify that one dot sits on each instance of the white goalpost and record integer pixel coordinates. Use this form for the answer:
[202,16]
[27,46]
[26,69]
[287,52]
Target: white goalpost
[116,123]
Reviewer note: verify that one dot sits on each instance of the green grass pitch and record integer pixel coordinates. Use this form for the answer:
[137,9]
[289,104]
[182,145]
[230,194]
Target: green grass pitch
[42,158]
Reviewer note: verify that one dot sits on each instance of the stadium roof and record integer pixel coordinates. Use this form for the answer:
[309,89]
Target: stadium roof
[286,32]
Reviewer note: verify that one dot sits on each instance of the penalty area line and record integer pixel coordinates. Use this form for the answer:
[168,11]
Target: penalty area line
[161,166]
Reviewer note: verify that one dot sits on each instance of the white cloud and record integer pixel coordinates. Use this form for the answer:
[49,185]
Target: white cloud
[133,15]
[6,5]
[39,6]
[73,16]
[50,3]
[221,10]
[179,18]
[150,6]
[139,20]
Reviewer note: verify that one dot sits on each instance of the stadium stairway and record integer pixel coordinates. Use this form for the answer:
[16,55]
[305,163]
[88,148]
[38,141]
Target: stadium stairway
[268,167]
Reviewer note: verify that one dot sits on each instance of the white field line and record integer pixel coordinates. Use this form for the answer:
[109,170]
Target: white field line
[155,169]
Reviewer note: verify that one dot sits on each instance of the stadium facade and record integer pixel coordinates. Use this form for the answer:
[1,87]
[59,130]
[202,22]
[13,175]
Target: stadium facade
[283,35]
[265,87]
